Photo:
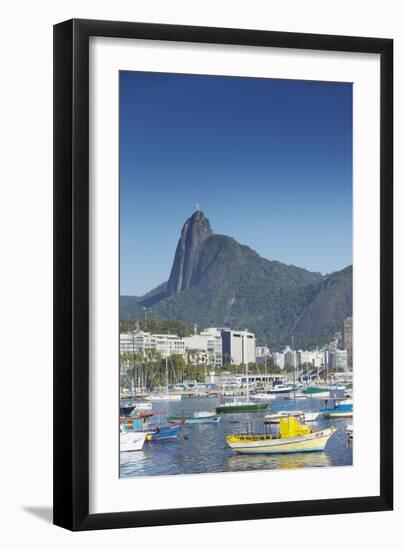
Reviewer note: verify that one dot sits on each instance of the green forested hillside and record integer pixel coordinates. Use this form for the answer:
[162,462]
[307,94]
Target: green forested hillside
[231,285]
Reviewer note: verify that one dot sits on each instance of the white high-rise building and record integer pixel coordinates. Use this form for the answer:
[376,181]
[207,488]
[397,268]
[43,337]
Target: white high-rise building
[348,339]
[139,342]
[238,347]
[214,345]
[315,358]
[262,351]
[290,357]
[338,359]
[278,359]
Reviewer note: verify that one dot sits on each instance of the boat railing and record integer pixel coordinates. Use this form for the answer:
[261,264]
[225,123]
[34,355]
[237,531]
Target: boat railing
[253,437]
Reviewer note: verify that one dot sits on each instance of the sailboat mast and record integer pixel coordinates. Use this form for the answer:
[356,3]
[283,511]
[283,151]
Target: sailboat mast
[294,360]
[244,359]
[166,373]
[247,381]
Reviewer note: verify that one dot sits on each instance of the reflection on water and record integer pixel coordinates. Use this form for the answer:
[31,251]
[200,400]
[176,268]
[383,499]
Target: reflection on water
[278,462]
[202,448]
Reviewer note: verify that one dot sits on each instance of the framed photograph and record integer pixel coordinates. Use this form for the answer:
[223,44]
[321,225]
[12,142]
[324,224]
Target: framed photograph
[223,237]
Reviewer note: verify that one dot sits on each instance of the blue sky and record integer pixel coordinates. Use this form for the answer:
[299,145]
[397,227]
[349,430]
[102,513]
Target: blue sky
[268,161]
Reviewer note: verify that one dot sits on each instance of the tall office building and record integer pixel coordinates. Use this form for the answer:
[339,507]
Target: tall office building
[238,347]
[337,360]
[278,359]
[348,339]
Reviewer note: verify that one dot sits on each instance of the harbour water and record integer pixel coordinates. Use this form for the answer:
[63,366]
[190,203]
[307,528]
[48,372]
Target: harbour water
[202,448]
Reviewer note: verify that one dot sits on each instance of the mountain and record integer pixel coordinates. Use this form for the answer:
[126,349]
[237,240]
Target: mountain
[195,231]
[215,281]
[333,302]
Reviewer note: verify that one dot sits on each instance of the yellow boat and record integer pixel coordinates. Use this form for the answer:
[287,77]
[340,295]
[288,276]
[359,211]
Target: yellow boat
[293,437]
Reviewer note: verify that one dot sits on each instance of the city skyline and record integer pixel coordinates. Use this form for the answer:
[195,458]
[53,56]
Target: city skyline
[268,161]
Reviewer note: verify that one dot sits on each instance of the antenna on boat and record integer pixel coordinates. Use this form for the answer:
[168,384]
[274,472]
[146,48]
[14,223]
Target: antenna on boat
[294,360]
[166,373]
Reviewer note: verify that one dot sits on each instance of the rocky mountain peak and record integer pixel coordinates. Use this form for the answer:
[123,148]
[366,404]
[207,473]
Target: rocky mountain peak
[194,232]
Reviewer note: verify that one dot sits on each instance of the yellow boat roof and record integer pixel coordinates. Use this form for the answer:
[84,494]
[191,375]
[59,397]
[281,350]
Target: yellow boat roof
[291,427]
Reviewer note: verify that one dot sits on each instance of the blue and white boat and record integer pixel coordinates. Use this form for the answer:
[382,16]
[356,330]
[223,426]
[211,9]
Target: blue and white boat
[168,432]
[154,432]
[334,407]
[198,417]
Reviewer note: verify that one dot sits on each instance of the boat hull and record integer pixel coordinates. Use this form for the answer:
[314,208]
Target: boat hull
[293,397]
[190,420]
[173,397]
[252,407]
[316,392]
[310,416]
[132,441]
[164,433]
[263,397]
[264,445]
[144,406]
[344,414]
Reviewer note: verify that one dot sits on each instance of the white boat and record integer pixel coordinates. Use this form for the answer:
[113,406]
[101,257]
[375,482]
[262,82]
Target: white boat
[349,431]
[263,396]
[131,441]
[143,406]
[316,391]
[166,397]
[294,396]
[203,414]
[310,416]
[337,408]
[275,417]
[281,388]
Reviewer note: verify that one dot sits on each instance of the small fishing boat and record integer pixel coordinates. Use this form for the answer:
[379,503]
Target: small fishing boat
[131,441]
[154,432]
[337,408]
[295,396]
[164,397]
[164,433]
[137,423]
[281,388]
[246,405]
[143,406]
[316,391]
[240,406]
[262,396]
[293,437]
[349,431]
[198,417]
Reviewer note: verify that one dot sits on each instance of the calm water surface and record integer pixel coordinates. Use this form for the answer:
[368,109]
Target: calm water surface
[202,448]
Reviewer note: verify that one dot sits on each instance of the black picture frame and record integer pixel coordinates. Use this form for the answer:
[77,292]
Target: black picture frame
[71,274]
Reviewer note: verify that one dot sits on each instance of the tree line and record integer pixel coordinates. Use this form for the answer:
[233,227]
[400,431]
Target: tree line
[150,370]
[156,326]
